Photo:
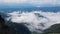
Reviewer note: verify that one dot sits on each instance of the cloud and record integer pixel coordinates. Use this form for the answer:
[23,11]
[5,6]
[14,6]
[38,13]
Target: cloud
[48,19]
[14,1]
[58,2]
[44,1]
[39,2]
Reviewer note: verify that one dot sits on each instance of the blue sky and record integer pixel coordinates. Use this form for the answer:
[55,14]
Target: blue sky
[31,2]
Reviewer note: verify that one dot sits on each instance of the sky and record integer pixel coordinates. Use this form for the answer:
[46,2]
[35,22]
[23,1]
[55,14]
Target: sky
[34,2]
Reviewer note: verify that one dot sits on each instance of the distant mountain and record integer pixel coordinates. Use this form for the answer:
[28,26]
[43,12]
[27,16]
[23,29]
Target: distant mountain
[31,8]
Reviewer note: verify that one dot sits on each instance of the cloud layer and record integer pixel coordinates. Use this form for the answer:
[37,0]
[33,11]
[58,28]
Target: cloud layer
[39,2]
[36,21]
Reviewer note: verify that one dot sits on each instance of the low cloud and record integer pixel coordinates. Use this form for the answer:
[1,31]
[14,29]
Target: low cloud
[36,22]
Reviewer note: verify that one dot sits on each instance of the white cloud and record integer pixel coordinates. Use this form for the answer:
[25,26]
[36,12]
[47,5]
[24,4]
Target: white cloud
[49,19]
[15,1]
[44,1]
[58,2]
[32,1]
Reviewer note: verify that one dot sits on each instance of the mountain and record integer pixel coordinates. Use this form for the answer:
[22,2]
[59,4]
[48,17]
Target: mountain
[31,8]
[18,29]
[53,29]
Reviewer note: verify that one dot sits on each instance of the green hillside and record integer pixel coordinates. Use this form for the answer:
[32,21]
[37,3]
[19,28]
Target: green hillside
[54,29]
